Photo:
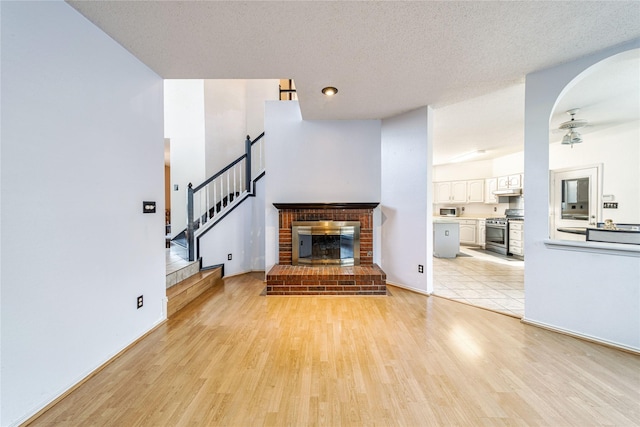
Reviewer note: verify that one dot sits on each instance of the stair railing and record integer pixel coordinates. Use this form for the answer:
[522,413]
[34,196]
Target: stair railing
[215,195]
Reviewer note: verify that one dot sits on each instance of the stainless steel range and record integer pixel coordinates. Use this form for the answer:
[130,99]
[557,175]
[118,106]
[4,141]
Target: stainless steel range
[497,231]
[496,235]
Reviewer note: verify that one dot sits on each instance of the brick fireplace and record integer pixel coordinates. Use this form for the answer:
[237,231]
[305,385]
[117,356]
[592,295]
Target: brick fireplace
[364,278]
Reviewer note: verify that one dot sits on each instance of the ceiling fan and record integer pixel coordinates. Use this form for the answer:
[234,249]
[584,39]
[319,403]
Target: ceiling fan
[572,136]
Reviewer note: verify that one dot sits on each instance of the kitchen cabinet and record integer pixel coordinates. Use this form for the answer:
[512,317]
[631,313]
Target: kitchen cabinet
[451,192]
[475,191]
[490,185]
[468,231]
[443,192]
[509,181]
[515,181]
[516,238]
[459,191]
[481,232]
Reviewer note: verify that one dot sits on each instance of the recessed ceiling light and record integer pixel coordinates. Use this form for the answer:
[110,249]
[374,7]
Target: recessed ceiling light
[329,90]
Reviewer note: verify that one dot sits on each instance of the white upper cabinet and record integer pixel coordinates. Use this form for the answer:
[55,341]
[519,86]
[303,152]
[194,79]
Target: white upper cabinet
[443,192]
[515,181]
[490,185]
[510,181]
[451,192]
[459,191]
[475,191]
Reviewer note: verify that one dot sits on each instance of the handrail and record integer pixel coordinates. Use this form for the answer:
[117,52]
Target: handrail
[257,138]
[196,218]
[229,166]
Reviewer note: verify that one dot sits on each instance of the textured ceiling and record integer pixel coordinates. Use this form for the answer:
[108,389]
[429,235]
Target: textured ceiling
[384,57]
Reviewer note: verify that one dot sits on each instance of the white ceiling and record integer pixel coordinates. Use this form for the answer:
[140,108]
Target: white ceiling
[465,59]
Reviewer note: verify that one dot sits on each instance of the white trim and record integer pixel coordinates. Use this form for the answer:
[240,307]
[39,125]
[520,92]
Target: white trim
[620,249]
[577,172]
[578,335]
[409,288]
[43,406]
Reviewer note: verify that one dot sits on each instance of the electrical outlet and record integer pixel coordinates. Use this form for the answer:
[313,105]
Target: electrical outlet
[610,205]
[495,209]
[420,268]
[140,301]
[229,257]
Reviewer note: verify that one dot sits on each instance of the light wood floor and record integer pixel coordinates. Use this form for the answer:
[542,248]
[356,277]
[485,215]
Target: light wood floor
[236,358]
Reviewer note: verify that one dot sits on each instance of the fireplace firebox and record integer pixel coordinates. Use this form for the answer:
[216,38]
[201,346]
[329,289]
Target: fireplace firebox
[325,243]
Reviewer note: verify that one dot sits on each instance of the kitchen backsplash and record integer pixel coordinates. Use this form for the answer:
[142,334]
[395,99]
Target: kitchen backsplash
[486,209]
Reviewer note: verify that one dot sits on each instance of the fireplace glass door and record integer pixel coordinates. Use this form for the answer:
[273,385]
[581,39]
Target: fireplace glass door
[325,243]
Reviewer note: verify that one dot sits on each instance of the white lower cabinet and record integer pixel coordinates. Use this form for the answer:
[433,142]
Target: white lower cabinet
[468,231]
[516,238]
[481,232]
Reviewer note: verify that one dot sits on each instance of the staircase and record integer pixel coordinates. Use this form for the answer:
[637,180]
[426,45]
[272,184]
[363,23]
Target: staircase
[207,204]
[216,197]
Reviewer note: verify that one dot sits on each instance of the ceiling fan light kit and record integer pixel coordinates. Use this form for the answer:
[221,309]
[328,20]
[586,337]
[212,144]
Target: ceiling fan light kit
[572,136]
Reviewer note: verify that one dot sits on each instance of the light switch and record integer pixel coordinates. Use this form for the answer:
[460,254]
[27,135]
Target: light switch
[148,207]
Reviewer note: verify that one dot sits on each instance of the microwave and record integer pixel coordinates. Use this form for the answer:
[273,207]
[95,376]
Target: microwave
[449,211]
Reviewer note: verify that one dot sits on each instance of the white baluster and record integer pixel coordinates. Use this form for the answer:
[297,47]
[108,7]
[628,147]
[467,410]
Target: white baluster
[206,190]
[234,181]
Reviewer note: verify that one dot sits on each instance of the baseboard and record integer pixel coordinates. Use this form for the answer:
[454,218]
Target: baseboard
[584,337]
[88,376]
[504,313]
[409,288]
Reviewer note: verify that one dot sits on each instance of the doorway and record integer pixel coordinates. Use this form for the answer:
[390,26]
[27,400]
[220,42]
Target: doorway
[573,204]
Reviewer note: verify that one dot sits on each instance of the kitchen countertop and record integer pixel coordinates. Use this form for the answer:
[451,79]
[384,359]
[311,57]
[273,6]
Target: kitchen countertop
[476,217]
[573,230]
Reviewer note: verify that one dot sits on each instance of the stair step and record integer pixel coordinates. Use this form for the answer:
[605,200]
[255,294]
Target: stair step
[183,273]
[184,292]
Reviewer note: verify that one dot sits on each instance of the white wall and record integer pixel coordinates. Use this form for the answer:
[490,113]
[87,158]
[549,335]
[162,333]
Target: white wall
[259,91]
[463,171]
[225,122]
[233,110]
[316,161]
[407,230]
[256,239]
[82,148]
[508,165]
[594,295]
[241,234]
[618,149]
[184,126]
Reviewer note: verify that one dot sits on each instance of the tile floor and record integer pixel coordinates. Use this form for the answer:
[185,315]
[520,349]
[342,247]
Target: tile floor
[176,258]
[481,279]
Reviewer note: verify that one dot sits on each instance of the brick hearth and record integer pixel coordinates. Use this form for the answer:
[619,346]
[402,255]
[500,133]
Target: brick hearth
[365,279]
[305,280]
